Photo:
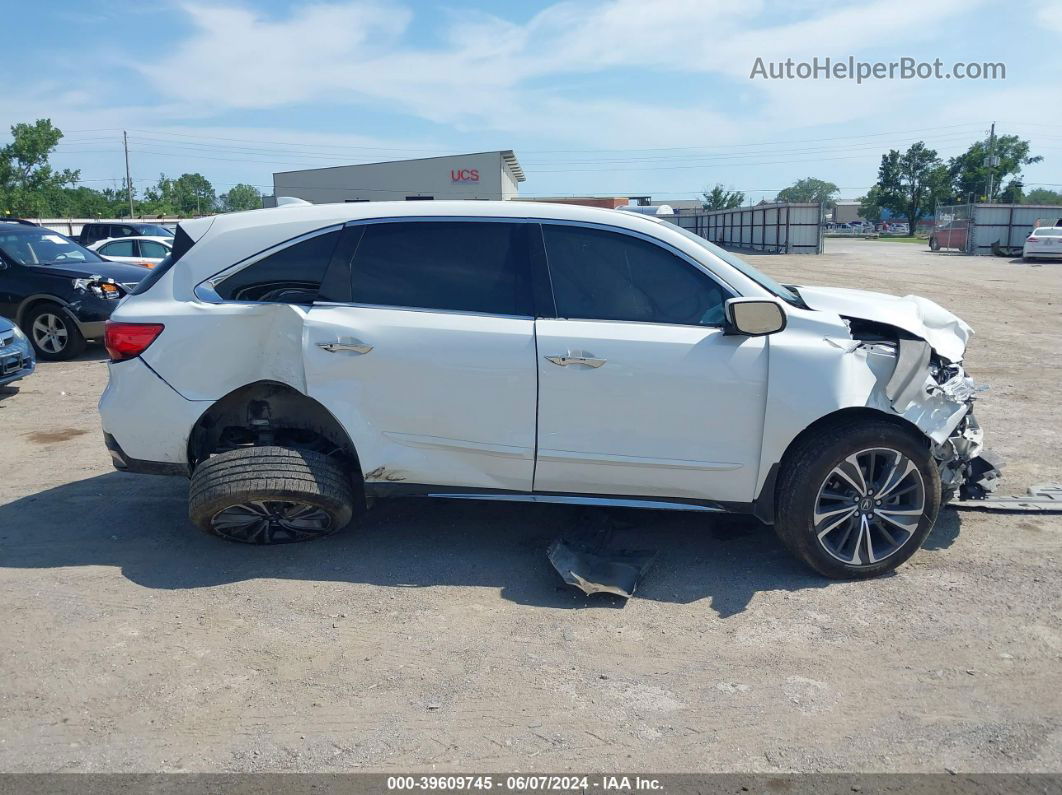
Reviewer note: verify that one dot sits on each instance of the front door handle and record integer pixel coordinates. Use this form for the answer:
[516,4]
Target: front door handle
[345,344]
[576,357]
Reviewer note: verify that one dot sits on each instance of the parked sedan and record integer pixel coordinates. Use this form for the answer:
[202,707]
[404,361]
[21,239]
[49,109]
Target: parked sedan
[58,292]
[144,250]
[16,353]
[1044,243]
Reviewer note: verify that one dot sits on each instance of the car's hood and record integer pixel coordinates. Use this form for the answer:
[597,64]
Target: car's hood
[946,333]
[119,271]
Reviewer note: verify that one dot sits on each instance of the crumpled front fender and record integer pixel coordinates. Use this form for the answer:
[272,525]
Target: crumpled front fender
[813,375]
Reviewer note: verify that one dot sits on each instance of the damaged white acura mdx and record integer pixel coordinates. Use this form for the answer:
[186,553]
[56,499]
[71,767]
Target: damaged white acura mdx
[298,362]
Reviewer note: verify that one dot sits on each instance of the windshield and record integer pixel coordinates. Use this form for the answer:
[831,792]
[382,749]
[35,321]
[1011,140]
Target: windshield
[762,279]
[152,230]
[38,246]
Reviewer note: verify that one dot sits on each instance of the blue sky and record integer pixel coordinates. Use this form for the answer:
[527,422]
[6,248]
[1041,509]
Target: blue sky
[606,98]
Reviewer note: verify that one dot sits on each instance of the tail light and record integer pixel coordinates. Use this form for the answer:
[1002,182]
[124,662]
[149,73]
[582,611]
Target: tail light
[1031,239]
[129,340]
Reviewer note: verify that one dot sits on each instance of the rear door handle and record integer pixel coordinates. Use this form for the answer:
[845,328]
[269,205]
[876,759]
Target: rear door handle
[345,344]
[576,357]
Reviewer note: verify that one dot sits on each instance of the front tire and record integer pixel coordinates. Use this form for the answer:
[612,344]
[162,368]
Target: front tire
[934,244]
[270,495]
[55,337]
[858,499]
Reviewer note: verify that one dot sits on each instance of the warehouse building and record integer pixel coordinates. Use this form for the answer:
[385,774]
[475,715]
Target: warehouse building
[480,175]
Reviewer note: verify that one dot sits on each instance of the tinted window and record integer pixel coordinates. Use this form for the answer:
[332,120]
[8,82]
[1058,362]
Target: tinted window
[93,232]
[290,276]
[609,276]
[119,248]
[151,248]
[465,266]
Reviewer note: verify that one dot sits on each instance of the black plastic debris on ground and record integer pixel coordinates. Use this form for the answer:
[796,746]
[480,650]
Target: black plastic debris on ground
[585,560]
[1042,498]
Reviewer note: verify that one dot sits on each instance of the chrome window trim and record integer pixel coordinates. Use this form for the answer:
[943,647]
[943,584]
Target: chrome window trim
[206,290]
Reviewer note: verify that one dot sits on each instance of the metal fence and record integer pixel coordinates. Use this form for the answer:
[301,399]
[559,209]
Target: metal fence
[784,228]
[989,228]
[71,227]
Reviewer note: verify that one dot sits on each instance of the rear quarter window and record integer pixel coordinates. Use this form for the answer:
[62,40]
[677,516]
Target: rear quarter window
[292,275]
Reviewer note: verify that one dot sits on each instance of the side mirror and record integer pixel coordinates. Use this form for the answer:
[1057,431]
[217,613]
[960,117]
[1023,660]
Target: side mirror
[754,317]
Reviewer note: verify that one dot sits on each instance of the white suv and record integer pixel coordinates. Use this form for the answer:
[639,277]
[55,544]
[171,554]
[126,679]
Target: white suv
[298,361]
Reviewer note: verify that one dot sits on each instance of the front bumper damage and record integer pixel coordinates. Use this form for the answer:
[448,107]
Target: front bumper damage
[966,469]
[938,396]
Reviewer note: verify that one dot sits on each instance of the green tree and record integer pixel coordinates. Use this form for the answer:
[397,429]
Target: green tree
[969,172]
[189,194]
[28,183]
[870,205]
[911,183]
[809,189]
[1042,196]
[241,197]
[82,202]
[194,194]
[719,198]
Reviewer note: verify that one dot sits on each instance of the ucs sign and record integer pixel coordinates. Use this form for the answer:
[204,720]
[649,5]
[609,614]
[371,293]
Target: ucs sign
[464,175]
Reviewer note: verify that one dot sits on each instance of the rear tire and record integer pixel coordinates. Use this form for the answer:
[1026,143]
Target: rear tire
[934,245]
[270,495]
[54,336]
[857,499]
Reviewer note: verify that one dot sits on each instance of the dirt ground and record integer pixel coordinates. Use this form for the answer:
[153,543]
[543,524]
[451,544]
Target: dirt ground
[436,635]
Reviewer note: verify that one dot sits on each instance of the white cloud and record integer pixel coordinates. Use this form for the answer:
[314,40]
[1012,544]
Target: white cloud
[1049,14]
[489,73]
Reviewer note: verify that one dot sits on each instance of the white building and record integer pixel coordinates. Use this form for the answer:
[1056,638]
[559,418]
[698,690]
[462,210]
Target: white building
[480,175]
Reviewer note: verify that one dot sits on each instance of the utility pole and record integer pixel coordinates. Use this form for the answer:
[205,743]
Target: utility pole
[991,161]
[128,180]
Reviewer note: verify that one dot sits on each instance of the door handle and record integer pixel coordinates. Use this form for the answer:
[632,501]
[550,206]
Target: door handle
[345,344]
[576,358]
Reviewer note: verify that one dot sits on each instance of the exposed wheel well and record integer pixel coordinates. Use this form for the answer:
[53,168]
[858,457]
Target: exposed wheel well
[28,306]
[270,413]
[764,505]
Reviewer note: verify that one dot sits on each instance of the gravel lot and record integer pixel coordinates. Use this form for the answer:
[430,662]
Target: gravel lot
[436,635]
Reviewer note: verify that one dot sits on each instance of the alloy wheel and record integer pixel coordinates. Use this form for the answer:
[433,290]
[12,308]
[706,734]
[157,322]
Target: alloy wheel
[272,522]
[50,332]
[869,506]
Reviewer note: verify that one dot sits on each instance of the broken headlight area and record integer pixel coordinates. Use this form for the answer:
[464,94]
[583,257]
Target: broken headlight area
[935,394]
[966,468]
[99,286]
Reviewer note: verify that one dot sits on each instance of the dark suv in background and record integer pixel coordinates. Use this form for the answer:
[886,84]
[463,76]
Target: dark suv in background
[90,233]
[59,293]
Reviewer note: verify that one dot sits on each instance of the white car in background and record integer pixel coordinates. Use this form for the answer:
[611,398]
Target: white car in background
[296,361]
[144,250]
[1044,242]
